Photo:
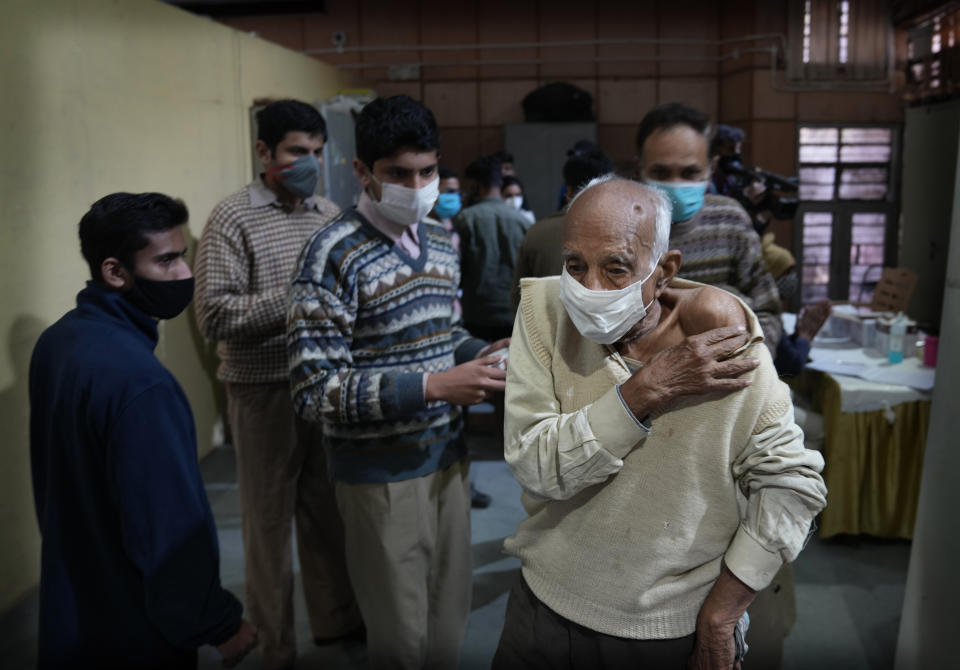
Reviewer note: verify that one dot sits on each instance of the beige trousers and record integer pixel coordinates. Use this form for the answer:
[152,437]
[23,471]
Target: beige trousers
[282,474]
[408,553]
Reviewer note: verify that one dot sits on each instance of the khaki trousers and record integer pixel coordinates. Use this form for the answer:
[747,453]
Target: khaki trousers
[282,474]
[408,553]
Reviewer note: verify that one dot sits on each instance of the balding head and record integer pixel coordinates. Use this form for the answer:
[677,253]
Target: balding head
[611,208]
[615,236]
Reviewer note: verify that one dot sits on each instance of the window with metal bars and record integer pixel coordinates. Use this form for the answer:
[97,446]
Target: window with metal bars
[933,57]
[848,209]
[840,39]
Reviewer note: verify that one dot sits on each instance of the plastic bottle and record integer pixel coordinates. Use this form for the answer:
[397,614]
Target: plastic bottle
[895,344]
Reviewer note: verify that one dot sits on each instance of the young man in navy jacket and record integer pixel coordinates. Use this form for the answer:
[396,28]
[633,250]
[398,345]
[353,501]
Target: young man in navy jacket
[130,564]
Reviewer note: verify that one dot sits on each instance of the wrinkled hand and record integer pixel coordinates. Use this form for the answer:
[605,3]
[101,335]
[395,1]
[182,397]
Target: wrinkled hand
[494,346]
[811,319]
[237,647]
[467,384]
[693,367]
[714,650]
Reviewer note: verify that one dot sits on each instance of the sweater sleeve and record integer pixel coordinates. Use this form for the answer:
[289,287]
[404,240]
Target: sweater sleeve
[326,384]
[783,489]
[167,528]
[756,283]
[226,309]
[555,454]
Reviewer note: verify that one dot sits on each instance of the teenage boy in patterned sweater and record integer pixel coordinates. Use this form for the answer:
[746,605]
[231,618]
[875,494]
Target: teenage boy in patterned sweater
[378,356]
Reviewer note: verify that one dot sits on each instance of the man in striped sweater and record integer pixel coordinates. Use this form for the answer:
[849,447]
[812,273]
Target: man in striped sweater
[713,232]
[379,357]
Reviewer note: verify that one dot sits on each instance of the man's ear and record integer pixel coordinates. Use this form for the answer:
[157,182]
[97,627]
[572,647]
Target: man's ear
[115,275]
[669,267]
[638,166]
[263,152]
[362,171]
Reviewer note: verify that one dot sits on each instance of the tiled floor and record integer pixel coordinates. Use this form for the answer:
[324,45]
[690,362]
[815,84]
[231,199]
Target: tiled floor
[849,590]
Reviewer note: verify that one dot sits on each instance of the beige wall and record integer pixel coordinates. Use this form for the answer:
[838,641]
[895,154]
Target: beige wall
[102,96]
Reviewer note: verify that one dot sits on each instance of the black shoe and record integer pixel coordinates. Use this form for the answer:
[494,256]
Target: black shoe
[478,500]
[358,634]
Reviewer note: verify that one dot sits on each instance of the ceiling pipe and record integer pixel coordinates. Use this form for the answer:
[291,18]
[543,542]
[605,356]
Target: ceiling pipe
[531,45]
[775,49]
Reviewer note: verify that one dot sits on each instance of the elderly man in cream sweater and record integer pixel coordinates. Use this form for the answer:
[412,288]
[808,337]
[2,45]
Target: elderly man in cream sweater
[664,477]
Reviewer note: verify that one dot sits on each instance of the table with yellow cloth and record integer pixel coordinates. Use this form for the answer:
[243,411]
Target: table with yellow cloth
[874,439]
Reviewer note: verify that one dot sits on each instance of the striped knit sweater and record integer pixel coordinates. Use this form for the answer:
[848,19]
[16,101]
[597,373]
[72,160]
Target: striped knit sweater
[366,321]
[721,248]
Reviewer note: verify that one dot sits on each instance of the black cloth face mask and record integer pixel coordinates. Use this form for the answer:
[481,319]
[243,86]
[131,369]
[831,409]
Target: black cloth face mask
[160,299]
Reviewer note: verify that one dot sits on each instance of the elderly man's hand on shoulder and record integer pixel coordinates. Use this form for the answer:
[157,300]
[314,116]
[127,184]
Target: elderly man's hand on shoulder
[699,364]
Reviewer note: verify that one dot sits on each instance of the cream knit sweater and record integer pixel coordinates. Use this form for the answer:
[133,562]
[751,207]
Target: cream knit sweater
[627,530]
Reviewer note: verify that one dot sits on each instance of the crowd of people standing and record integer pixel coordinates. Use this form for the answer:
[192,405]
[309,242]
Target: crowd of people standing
[629,329]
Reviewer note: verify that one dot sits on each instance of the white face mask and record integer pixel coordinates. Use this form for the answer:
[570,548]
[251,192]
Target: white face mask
[515,201]
[603,316]
[405,205]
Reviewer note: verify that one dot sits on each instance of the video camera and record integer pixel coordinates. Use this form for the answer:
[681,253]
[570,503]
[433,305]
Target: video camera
[780,206]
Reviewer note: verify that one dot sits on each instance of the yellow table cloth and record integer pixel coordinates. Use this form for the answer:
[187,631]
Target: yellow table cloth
[873,465]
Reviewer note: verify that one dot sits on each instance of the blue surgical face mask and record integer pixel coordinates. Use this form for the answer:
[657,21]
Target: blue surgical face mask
[685,196]
[448,205]
[301,177]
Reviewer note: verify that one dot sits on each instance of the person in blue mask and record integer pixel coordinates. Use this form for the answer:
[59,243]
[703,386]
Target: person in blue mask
[247,253]
[720,247]
[448,205]
[713,232]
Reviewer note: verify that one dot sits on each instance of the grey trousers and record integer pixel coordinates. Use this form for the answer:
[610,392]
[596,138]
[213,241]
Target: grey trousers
[282,474]
[535,637]
[408,553]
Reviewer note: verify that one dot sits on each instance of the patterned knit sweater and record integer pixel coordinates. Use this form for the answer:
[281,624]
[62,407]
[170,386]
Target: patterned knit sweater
[366,321]
[721,248]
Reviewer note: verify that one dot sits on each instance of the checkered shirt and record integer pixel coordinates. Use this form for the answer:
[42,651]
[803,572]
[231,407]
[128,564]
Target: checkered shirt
[247,253]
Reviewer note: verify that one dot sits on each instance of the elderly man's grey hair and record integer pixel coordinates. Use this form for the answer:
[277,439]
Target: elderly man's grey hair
[661,240]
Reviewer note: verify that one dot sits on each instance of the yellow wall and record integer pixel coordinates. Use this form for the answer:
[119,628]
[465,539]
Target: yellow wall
[98,96]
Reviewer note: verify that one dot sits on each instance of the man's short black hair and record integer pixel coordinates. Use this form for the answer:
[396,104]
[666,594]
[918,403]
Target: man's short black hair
[510,180]
[504,157]
[118,224]
[581,168]
[446,173]
[285,116]
[485,170]
[724,137]
[386,125]
[667,116]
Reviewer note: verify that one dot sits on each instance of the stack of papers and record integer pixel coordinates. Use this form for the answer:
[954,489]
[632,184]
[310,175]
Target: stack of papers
[902,374]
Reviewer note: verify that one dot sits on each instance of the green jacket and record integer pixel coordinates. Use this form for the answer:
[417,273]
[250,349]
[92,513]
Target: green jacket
[490,235]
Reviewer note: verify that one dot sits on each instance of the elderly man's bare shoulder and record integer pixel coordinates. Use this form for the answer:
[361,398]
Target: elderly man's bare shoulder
[703,308]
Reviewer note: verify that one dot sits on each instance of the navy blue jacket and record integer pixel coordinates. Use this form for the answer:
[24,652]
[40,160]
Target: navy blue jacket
[130,574]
